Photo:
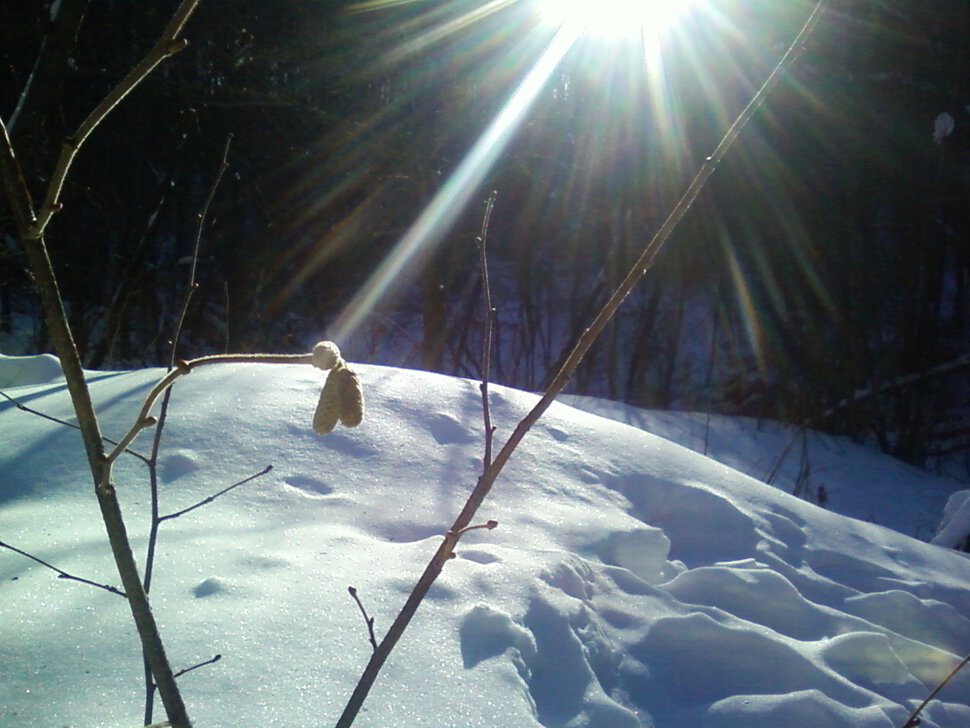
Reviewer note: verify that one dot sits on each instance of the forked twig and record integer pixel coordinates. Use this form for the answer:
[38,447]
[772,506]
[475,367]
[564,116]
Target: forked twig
[153,687]
[31,227]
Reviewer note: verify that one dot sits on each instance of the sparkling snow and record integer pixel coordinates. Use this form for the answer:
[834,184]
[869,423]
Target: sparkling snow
[632,582]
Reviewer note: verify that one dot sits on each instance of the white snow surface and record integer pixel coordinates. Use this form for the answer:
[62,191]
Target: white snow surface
[631,582]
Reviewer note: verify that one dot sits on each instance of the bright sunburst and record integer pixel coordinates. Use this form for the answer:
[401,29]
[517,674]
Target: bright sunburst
[612,18]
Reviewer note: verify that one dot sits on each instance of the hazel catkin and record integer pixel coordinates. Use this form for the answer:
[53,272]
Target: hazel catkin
[342,399]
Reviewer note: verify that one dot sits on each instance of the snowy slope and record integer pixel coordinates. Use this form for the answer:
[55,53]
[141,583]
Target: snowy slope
[857,480]
[631,582]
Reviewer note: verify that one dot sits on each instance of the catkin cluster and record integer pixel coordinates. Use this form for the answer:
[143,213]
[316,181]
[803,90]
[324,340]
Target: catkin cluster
[342,398]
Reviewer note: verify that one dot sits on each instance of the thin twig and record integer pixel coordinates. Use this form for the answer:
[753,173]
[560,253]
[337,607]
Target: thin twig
[156,520]
[21,406]
[212,497]
[914,718]
[149,712]
[144,420]
[488,525]
[210,661]
[562,377]
[223,166]
[367,619]
[487,332]
[63,574]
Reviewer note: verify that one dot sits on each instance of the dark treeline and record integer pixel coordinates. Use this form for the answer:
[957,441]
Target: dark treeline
[827,260]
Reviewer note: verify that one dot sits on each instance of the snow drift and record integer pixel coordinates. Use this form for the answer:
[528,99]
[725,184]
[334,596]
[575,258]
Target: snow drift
[631,582]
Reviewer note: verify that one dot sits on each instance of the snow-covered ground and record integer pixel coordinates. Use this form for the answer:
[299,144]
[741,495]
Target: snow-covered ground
[632,582]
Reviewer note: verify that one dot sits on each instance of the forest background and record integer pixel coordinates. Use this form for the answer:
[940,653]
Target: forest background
[821,279]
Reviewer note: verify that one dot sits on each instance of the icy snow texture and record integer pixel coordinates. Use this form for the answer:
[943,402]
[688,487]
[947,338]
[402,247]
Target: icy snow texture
[630,583]
[955,525]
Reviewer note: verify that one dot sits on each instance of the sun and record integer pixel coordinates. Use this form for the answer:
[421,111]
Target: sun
[611,18]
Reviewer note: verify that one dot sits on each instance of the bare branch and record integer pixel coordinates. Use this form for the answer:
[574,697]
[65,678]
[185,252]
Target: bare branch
[63,574]
[212,497]
[167,45]
[195,252]
[24,408]
[210,661]
[31,229]
[184,367]
[487,331]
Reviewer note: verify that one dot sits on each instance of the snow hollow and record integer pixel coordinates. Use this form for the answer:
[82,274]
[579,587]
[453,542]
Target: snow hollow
[631,583]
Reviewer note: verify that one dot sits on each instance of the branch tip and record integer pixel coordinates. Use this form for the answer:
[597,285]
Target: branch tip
[179,44]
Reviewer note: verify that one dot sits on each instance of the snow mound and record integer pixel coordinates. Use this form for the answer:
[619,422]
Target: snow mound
[18,371]
[631,583]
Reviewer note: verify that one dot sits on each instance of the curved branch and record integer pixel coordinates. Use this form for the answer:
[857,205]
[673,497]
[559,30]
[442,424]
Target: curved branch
[166,46]
[144,419]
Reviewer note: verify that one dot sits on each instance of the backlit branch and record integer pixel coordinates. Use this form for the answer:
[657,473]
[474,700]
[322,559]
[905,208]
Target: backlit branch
[168,44]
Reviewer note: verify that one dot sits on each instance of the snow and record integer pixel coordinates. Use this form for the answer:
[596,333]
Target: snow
[631,582]
[955,526]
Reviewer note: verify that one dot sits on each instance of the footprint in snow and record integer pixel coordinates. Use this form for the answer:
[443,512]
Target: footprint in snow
[209,587]
[311,486]
[446,430]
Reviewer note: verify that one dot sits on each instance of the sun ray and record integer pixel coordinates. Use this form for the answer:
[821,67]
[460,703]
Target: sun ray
[612,68]
[611,19]
[436,218]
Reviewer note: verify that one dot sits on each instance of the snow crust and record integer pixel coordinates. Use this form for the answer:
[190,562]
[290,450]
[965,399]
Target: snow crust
[631,582]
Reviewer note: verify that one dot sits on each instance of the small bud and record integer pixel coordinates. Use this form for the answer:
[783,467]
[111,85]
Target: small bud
[178,44]
[325,355]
